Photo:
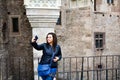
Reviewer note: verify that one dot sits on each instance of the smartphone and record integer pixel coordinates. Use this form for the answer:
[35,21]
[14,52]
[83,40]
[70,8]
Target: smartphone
[36,37]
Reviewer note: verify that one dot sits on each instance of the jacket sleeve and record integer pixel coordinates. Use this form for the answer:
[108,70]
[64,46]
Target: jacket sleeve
[36,46]
[58,52]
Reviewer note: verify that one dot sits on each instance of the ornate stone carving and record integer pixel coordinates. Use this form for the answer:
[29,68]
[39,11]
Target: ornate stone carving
[42,3]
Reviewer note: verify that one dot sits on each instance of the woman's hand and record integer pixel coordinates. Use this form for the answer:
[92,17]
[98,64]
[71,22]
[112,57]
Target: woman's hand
[33,39]
[56,59]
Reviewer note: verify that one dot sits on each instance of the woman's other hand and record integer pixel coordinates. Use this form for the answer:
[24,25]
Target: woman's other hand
[56,59]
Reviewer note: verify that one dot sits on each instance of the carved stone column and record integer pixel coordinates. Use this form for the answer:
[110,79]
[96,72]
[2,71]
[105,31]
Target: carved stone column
[42,15]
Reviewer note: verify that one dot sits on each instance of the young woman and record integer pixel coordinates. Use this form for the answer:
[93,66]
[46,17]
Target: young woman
[49,48]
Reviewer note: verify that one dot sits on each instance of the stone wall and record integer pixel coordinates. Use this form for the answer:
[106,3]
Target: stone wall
[3,48]
[75,36]
[110,24]
[103,6]
[20,42]
[18,47]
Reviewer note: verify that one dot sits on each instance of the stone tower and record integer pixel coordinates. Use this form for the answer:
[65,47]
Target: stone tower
[15,35]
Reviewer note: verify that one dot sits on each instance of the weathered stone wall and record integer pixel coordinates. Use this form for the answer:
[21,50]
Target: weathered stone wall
[110,24]
[76,34]
[3,48]
[19,43]
[102,5]
[3,24]
[18,46]
[75,39]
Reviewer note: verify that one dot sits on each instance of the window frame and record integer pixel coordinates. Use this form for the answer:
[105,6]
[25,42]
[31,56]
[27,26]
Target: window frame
[110,1]
[99,48]
[12,33]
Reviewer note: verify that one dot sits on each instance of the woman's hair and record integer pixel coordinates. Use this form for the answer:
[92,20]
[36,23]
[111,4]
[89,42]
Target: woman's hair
[54,39]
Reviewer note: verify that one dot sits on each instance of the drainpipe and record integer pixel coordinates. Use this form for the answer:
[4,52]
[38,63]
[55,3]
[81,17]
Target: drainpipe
[94,5]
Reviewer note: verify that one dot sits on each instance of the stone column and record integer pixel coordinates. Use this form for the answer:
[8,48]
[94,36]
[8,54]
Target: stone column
[42,15]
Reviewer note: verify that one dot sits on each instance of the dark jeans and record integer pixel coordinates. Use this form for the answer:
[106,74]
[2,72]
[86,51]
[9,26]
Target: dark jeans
[47,78]
[51,76]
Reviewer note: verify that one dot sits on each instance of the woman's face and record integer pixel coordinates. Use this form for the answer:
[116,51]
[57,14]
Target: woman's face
[50,39]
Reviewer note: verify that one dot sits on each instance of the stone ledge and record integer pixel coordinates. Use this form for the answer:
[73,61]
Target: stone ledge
[98,12]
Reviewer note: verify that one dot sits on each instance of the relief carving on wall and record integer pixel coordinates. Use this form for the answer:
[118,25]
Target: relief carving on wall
[41,3]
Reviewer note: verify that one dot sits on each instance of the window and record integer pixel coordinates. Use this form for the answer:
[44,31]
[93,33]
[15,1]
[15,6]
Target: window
[110,1]
[99,40]
[14,25]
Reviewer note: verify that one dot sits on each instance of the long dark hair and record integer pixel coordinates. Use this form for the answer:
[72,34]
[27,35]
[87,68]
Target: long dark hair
[54,39]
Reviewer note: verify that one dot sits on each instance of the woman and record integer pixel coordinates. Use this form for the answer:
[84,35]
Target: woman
[49,48]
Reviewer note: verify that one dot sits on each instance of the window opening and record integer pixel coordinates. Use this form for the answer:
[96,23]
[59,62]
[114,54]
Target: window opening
[15,25]
[14,21]
[99,40]
[110,1]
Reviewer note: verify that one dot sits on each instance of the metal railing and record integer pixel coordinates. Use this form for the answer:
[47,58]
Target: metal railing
[69,68]
[16,68]
[89,68]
